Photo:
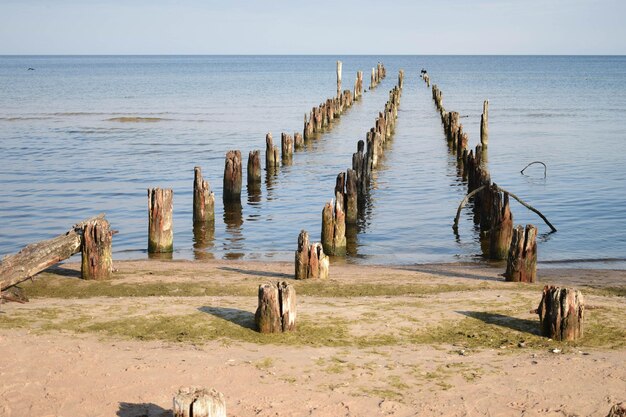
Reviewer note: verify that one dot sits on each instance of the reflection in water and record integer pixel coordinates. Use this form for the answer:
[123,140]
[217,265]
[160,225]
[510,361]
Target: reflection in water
[271,174]
[203,240]
[161,256]
[233,219]
[254,194]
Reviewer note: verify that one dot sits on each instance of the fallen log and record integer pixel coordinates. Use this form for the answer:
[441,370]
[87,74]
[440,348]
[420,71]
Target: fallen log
[36,257]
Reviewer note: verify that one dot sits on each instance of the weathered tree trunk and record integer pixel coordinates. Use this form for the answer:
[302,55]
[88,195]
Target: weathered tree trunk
[302,256]
[254,169]
[199,402]
[561,313]
[339,65]
[96,262]
[160,233]
[501,231]
[271,154]
[203,199]
[232,176]
[286,142]
[352,208]
[484,124]
[276,311]
[522,259]
[36,257]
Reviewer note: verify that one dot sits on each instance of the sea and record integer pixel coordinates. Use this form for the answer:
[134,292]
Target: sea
[83,135]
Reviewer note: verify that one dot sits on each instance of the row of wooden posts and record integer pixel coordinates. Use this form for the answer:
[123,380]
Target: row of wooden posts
[561,310]
[378,73]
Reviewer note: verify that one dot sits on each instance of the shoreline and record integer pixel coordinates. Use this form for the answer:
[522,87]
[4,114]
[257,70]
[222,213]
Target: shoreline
[448,340]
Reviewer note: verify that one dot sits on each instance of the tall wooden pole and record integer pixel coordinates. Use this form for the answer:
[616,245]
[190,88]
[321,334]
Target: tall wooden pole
[484,124]
[339,65]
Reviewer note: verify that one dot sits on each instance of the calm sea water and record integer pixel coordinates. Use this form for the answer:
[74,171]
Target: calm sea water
[66,155]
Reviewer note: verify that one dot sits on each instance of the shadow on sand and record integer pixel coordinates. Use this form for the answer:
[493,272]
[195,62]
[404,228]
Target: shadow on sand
[521,325]
[142,410]
[241,318]
[279,275]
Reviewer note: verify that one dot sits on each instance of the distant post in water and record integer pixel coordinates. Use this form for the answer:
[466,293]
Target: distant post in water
[254,169]
[160,234]
[203,199]
[271,154]
[96,250]
[286,144]
[298,141]
[352,210]
[339,65]
[484,124]
[232,176]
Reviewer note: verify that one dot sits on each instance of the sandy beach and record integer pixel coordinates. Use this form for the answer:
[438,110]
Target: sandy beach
[441,340]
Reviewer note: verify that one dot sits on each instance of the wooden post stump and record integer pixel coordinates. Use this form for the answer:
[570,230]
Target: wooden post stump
[298,141]
[199,402]
[334,229]
[522,260]
[501,231]
[232,176]
[307,132]
[254,169]
[96,250]
[160,234]
[302,256]
[339,65]
[561,313]
[271,154]
[286,144]
[352,207]
[276,311]
[319,263]
[203,199]
[484,124]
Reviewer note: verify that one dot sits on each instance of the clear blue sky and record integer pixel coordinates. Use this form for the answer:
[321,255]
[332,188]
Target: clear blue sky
[312,27]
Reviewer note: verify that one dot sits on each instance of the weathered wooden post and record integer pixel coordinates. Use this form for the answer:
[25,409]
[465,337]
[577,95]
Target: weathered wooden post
[286,144]
[401,78]
[199,402]
[276,311]
[203,199]
[271,154]
[160,234]
[298,141]
[232,176]
[339,65]
[561,313]
[302,256]
[96,250]
[352,208]
[373,79]
[334,229]
[501,230]
[307,132]
[522,259]
[254,169]
[484,124]
[358,85]
[318,262]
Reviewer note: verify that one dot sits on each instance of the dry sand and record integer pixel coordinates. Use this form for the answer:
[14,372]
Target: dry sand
[61,358]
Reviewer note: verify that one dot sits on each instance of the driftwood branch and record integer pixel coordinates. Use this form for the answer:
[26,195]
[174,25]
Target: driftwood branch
[545,168]
[36,257]
[455,226]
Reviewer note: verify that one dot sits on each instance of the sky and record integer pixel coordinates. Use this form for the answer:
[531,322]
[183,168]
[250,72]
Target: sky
[414,27]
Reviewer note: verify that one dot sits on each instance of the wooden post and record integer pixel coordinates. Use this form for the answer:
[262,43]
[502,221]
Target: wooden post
[302,256]
[522,259]
[203,199]
[96,250]
[352,210]
[501,231]
[276,311]
[298,141]
[339,65]
[199,402]
[561,313]
[318,262]
[271,154]
[286,144]
[232,176]
[308,127]
[334,229]
[254,169]
[484,124]
[160,234]
[400,79]
[373,79]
